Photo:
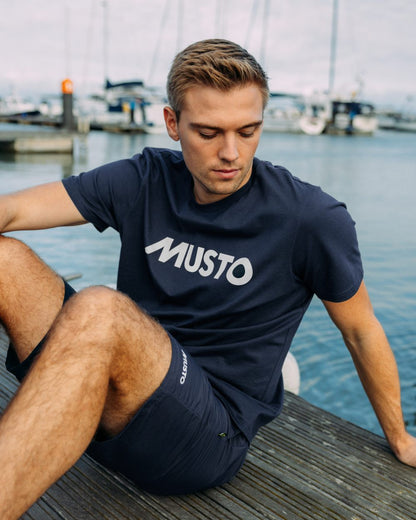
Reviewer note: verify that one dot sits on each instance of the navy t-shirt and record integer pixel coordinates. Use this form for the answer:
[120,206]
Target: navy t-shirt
[229,280]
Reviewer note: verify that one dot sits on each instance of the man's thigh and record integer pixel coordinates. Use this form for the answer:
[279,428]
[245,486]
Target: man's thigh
[20,368]
[30,295]
[181,440]
[104,328]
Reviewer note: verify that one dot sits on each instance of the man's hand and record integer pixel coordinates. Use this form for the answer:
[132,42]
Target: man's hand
[406,452]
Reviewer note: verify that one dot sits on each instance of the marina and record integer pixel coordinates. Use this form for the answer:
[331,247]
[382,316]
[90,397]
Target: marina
[352,132]
[130,107]
[134,105]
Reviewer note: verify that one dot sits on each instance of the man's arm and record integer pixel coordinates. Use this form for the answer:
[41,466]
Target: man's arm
[376,367]
[41,207]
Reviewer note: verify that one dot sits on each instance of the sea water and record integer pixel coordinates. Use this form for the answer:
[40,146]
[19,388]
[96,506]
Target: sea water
[375,176]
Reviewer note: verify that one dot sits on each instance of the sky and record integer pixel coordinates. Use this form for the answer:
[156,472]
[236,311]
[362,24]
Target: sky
[42,42]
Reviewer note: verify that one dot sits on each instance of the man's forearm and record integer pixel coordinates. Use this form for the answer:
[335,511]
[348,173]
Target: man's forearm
[377,369]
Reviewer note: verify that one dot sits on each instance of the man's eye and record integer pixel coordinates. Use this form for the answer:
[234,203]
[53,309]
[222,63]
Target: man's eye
[247,134]
[207,136]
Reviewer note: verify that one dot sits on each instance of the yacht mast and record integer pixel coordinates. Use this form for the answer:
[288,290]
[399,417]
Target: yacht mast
[105,38]
[333,46]
[266,14]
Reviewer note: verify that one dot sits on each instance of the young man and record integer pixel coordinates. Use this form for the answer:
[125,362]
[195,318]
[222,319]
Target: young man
[168,378]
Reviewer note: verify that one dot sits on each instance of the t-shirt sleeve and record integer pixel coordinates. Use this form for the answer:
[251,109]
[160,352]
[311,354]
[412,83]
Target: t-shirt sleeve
[326,254]
[105,194]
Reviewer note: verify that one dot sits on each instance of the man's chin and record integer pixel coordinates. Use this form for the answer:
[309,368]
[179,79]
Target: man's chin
[214,193]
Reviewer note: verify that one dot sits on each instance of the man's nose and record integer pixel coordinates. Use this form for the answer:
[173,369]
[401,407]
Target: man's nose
[229,150]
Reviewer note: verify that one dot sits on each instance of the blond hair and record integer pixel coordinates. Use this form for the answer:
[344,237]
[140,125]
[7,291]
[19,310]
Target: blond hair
[216,63]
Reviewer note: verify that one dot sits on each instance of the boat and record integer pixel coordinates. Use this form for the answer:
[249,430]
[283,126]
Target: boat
[405,123]
[332,113]
[319,114]
[316,114]
[14,105]
[394,120]
[143,105]
[352,117]
[324,111]
[283,113]
[125,106]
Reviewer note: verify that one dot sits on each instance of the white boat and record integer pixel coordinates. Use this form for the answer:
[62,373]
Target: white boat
[405,123]
[352,117]
[282,113]
[51,105]
[128,105]
[330,113]
[392,120]
[13,105]
[312,125]
[316,114]
[338,116]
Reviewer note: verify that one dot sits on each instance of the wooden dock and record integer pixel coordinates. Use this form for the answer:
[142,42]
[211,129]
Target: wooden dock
[83,125]
[306,465]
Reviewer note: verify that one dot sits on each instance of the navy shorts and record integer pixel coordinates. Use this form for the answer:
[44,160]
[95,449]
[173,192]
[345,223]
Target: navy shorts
[180,441]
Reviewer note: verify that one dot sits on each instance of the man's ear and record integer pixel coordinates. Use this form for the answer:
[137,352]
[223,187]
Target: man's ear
[171,123]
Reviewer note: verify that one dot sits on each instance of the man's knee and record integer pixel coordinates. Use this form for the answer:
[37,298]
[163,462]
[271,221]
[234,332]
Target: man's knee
[92,300]
[19,262]
[12,252]
[103,314]
[109,326]
[91,308]
[99,301]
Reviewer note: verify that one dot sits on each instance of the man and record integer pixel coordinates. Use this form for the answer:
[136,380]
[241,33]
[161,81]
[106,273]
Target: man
[168,379]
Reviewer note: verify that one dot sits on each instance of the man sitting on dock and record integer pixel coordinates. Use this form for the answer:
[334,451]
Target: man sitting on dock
[168,378]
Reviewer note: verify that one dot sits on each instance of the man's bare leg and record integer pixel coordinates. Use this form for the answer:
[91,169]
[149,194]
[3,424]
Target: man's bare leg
[103,358]
[31,295]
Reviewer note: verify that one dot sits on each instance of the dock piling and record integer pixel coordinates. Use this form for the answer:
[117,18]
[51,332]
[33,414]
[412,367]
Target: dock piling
[67,105]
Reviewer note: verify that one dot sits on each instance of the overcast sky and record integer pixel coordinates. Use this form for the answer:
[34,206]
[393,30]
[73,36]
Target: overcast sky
[43,41]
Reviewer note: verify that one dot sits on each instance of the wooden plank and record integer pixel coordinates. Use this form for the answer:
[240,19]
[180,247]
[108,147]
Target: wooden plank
[306,465]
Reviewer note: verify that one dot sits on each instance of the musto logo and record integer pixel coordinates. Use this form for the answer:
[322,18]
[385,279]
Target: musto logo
[205,262]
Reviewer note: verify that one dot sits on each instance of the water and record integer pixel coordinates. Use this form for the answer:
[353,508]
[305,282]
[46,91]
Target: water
[375,176]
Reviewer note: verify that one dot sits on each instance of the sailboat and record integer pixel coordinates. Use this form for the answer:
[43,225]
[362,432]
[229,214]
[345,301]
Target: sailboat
[283,113]
[328,113]
[123,106]
[321,112]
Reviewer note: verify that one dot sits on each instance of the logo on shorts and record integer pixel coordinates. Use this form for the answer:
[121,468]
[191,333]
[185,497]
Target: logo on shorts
[184,368]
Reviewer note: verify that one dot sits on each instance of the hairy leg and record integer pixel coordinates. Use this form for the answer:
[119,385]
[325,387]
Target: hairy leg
[103,358]
[31,295]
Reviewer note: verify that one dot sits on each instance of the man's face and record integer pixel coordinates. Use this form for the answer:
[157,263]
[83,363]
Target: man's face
[219,133]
